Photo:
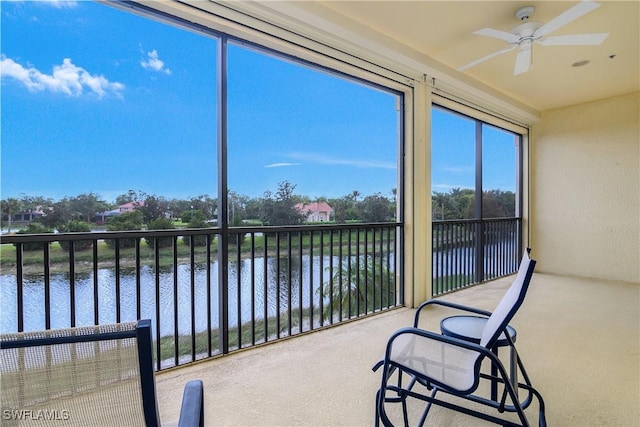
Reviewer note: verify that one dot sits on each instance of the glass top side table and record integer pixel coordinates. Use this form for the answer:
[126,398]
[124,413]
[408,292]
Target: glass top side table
[469,328]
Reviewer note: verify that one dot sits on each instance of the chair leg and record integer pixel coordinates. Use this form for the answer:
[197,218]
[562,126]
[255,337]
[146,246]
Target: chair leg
[378,403]
[423,418]
[405,412]
[542,422]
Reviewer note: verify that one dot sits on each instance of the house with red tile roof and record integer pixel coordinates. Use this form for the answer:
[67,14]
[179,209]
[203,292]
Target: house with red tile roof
[316,211]
[127,207]
[130,207]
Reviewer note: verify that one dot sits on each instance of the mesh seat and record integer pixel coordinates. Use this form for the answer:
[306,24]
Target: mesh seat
[94,375]
[435,363]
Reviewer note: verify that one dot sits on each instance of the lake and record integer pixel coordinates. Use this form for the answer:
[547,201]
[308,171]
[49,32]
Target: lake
[244,297]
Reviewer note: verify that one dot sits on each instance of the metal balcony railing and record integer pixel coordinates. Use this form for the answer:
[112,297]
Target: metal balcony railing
[207,291]
[274,282]
[467,252]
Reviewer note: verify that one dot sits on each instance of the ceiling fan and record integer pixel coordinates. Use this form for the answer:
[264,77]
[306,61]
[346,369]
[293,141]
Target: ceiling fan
[529,32]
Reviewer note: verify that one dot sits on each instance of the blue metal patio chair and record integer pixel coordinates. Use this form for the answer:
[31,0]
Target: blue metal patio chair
[418,364]
[86,376]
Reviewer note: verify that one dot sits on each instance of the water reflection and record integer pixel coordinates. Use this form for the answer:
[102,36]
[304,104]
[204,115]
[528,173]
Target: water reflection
[254,289]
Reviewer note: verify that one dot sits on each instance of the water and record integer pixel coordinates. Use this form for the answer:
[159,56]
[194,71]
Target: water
[247,297]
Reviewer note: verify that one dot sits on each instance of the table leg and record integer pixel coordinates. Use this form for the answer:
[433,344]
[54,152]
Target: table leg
[494,373]
[513,371]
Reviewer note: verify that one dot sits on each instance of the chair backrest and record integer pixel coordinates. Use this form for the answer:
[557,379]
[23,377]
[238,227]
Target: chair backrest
[93,375]
[510,303]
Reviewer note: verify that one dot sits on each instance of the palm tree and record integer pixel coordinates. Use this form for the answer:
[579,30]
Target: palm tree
[10,207]
[358,289]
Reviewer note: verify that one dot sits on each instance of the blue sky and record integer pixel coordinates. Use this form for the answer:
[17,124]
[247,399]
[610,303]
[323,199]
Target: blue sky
[453,154]
[98,100]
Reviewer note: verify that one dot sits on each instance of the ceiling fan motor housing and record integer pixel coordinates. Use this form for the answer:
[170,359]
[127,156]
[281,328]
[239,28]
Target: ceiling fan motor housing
[526,31]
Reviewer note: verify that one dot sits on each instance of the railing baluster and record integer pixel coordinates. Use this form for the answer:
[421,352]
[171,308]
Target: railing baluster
[300,281]
[390,279]
[311,296]
[289,285]
[266,289]
[358,271]
[469,247]
[277,285]
[349,291]
[340,282]
[454,257]
[72,283]
[117,273]
[239,287]
[192,277]
[47,285]
[138,279]
[331,301]
[253,287]
[373,268]
[209,242]
[19,289]
[176,314]
[435,272]
[96,303]
[320,276]
[156,259]
[446,286]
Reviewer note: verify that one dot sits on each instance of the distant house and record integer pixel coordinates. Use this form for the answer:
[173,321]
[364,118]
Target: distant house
[127,207]
[28,216]
[130,207]
[316,211]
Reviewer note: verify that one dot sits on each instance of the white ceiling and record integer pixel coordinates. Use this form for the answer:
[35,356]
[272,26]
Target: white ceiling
[440,35]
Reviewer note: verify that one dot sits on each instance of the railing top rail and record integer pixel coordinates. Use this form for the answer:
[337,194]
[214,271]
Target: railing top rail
[315,227]
[475,220]
[56,237]
[99,235]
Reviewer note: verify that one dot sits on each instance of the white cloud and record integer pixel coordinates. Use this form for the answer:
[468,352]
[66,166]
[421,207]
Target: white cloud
[61,3]
[458,169]
[329,160]
[448,187]
[283,164]
[66,78]
[155,63]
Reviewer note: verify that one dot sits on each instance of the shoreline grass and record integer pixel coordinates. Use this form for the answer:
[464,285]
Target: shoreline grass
[59,259]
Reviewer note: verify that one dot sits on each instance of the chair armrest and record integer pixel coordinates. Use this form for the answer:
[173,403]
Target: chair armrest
[447,304]
[429,335]
[192,410]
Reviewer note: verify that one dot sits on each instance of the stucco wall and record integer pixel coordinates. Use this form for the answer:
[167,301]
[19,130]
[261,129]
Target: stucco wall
[585,185]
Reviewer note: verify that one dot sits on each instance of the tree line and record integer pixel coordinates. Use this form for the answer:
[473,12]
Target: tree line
[461,204]
[81,213]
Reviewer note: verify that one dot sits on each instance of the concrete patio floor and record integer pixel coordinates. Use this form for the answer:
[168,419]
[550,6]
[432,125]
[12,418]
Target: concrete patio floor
[579,340]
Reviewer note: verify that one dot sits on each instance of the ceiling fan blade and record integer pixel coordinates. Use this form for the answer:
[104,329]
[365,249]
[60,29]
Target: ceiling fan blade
[497,34]
[571,14]
[484,58]
[575,39]
[523,60]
